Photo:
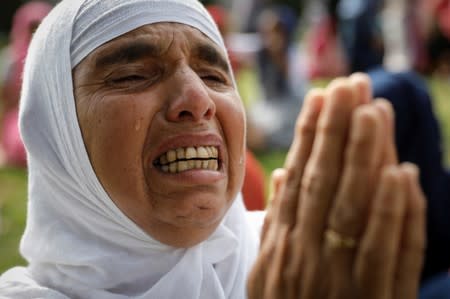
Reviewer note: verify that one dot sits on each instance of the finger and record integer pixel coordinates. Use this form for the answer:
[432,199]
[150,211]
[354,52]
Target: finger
[413,243]
[377,255]
[269,239]
[363,87]
[348,215]
[276,283]
[298,155]
[256,281]
[296,159]
[390,153]
[277,180]
[324,166]
[362,158]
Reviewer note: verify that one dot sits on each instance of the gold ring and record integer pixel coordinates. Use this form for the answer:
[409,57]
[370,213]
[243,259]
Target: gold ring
[336,240]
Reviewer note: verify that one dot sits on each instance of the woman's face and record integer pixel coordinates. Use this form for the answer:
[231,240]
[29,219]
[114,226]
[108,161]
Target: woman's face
[164,129]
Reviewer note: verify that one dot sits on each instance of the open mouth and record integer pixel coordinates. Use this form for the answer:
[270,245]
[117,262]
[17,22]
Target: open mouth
[188,158]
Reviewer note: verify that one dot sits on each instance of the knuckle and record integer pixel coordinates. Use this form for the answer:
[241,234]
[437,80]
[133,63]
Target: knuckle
[389,213]
[305,127]
[366,115]
[315,179]
[343,217]
[339,85]
[360,164]
[329,129]
[374,257]
[290,273]
[362,141]
[291,174]
[310,183]
[415,247]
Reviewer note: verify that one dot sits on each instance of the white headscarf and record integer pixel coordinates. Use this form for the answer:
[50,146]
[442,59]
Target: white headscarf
[77,242]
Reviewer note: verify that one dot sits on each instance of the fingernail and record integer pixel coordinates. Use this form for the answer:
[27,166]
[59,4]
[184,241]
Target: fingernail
[385,105]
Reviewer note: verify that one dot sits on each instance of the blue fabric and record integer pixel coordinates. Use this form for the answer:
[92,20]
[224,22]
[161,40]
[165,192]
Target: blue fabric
[418,140]
[360,31]
[287,18]
[436,288]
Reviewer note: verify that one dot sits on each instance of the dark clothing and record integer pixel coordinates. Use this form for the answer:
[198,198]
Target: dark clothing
[418,140]
[360,31]
[436,288]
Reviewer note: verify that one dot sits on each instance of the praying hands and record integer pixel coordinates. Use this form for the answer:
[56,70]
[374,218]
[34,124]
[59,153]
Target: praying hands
[346,220]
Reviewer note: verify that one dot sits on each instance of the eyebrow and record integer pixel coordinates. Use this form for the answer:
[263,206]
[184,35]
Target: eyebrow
[210,55]
[136,50]
[130,52]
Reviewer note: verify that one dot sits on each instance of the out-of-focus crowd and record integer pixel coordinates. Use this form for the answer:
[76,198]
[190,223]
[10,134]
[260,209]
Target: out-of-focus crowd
[276,51]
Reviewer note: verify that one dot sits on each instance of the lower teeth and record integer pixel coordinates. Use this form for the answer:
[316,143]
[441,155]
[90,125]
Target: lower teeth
[181,166]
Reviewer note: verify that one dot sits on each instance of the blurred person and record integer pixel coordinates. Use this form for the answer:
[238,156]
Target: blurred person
[221,16]
[345,37]
[244,13]
[360,30]
[25,22]
[443,12]
[281,79]
[420,43]
[438,43]
[417,22]
[418,140]
[439,52]
[115,212]
[398,19]
[325,55]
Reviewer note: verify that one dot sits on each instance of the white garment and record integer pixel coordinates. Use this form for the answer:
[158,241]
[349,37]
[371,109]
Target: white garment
[77,242]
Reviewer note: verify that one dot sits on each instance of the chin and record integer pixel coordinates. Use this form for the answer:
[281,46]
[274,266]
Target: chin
[188,232]
[190,223]
[203,215]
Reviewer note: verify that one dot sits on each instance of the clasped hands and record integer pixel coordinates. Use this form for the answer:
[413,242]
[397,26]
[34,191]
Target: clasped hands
[346,220]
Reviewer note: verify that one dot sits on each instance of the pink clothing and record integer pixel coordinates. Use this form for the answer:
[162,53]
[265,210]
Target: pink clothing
[326,58]
[11,142]
[25,21]
[443,16]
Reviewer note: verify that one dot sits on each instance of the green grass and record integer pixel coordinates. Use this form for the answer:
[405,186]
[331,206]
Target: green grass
[13,189]
[13,182]
[441,103]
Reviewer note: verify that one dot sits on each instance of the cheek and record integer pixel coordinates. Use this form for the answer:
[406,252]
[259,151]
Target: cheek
[109,127]
[231,116]
[114,131]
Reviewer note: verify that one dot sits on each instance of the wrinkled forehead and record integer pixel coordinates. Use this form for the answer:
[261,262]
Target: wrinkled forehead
[155,40]
[99,22]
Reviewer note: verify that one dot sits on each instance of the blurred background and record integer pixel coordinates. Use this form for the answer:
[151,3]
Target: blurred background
[278,49]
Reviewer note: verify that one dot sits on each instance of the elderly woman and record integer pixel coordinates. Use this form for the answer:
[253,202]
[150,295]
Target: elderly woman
[135,136]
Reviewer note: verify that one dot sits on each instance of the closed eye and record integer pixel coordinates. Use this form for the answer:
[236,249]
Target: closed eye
[213,78]
[126,79]
[132,81]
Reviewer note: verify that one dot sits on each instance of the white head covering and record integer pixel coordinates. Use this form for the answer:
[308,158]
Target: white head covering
[77,242]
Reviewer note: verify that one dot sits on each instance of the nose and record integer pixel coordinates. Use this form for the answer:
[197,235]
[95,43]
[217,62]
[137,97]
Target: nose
[191,101]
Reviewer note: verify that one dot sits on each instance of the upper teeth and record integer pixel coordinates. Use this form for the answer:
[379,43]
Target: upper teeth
[182,159]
